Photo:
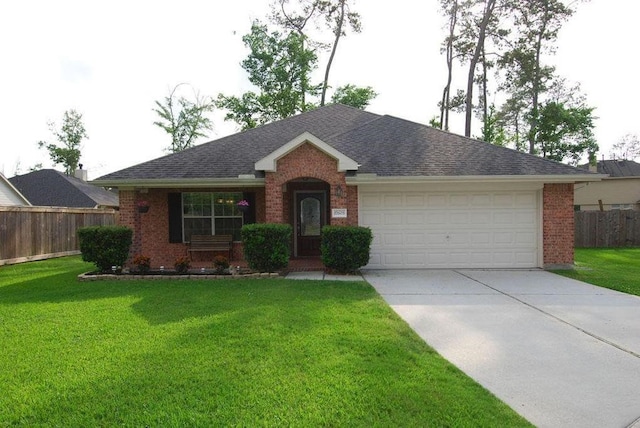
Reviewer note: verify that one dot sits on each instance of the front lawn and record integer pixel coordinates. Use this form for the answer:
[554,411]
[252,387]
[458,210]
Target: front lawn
[614,268]
[222,352]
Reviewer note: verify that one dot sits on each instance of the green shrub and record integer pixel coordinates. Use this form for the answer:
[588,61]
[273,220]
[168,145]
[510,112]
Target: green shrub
[105,246]
[266,246]
[345,249]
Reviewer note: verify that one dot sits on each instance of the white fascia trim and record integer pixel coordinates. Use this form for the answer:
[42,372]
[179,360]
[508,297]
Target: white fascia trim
[373,178]
[179,183]
[270,162]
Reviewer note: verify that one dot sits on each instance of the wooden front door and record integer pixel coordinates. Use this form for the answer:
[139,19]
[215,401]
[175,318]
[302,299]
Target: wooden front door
[310,216]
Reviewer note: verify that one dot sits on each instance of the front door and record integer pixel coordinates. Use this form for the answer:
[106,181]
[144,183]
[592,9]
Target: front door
[310,216]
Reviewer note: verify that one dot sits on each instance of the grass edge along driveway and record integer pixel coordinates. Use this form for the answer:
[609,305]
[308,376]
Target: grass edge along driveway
[226,352]
[614,268]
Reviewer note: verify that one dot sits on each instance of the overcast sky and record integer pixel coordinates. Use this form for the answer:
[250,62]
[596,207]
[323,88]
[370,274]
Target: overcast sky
[111,60]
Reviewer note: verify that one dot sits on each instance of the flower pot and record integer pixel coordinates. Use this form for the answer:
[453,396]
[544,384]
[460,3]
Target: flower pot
[143,209]
[243,208]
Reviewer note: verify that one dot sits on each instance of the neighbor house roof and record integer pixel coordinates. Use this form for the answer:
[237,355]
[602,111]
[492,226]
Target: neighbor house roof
[384,146]
[619,168]
[48,187]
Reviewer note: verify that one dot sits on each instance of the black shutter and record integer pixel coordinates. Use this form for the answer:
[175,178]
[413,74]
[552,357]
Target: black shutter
[250,216]
[175,217]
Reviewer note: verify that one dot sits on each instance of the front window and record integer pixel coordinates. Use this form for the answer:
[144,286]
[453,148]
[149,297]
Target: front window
[211,214]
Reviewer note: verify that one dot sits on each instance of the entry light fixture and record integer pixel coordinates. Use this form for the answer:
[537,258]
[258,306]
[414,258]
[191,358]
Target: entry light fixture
[339,193]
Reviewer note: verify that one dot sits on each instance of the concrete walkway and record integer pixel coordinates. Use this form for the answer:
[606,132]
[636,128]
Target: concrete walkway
[559,352]
[321,275]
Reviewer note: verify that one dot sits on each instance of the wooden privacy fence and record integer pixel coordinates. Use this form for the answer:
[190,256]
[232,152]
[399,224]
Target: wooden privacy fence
[616,228]
[36,233]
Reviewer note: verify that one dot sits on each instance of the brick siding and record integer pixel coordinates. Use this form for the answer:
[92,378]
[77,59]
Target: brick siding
[558,224]
[306,161]
[151,229]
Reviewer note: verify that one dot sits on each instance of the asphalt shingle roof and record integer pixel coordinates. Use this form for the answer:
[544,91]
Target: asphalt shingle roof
[384,145]
[48,187]
[619,168]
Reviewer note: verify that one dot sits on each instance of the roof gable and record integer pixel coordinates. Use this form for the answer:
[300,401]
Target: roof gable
[270,162]
[9,195]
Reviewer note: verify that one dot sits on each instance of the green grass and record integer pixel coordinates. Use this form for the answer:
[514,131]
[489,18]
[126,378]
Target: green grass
[224,352]
[614,268]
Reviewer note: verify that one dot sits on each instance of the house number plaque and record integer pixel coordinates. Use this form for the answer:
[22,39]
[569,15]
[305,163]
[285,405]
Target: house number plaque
[338,213]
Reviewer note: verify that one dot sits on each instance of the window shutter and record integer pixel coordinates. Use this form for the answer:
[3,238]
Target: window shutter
[175,217]
[250,216]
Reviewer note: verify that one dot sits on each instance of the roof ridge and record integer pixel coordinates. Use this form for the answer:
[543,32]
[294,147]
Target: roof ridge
[367,123]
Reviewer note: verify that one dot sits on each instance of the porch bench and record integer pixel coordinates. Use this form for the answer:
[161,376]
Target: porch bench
[211,243]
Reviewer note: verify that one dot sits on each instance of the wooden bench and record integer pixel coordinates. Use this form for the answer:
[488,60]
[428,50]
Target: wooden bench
[211,243]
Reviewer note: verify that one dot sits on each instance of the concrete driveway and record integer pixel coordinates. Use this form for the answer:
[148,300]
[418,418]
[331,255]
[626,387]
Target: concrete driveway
[560,352]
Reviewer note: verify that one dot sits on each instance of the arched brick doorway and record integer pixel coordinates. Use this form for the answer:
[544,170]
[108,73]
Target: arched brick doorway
[307,203]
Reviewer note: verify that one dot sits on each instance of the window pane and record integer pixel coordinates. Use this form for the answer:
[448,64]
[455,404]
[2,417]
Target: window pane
[200,209]
[310,217]
[229,226]
[196,226]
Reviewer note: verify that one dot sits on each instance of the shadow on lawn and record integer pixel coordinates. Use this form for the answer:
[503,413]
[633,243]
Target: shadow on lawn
[355,364]
[167,301]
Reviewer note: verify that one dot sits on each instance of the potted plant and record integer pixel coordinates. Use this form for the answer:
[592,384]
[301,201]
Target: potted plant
[220,263]
[143,263]
[243,206]
[182,264]
[143,206]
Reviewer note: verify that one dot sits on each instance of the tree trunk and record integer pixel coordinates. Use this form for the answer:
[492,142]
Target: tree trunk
[446,93]
[488,11]
[338,33]
[536,85]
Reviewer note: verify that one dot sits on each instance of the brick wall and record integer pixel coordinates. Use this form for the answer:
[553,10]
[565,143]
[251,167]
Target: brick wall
[306,161]
[151,229]
[558,224]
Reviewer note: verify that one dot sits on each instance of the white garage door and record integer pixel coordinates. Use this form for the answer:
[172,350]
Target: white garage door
[451,230]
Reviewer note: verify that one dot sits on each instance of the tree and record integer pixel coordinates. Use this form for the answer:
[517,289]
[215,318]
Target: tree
[493,130]
[628,147]
[536,23]
[354,96]
[565,133]
[337,16]
[483,25]
[450,9]
[70,137]
[184,120]
[280,67]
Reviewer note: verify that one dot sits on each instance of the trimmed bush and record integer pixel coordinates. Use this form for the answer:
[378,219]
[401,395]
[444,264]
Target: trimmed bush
[266,246]
[105,246]
[345,249]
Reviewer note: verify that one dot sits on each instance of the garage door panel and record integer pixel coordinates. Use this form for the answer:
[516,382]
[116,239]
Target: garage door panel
[415,218]
[438,230]
[436,201]
[393,260]
[392,201]
[371,219]
[414,200]
[436,218]
[416,238]
[481,238]
[459,217]
[482,217]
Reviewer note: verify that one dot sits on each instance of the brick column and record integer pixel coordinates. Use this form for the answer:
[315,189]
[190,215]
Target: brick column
[558,224]
[273,198]
[127,216]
